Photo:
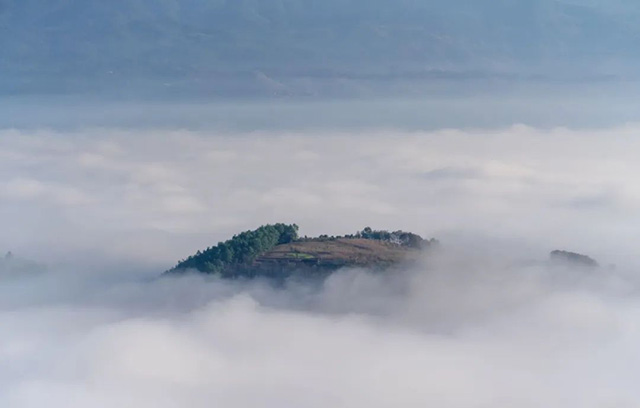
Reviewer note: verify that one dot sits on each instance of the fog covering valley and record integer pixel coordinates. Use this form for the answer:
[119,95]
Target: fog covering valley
[93,214]
[134,133]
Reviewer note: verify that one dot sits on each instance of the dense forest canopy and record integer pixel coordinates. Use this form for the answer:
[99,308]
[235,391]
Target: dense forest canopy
[242,248]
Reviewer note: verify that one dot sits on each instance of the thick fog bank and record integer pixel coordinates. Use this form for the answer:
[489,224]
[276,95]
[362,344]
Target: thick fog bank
[457,331]
[486,322]
[153,197]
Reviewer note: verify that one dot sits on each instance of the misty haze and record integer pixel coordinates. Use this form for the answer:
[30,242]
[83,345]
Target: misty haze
[302,203]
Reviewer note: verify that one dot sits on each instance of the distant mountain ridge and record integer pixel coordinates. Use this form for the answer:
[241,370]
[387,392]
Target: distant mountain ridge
[284,46]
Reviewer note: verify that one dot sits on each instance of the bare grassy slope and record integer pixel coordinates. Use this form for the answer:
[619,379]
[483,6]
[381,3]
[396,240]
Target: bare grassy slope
[337,253]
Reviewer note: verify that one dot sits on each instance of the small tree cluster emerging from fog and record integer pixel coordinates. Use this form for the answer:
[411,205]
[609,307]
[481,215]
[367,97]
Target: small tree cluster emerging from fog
[402,238]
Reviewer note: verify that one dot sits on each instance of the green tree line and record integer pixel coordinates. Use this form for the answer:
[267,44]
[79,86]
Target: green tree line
[241,249]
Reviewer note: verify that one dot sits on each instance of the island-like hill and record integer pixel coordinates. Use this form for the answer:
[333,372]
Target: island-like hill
[277,251]
[12,266]
[567,258]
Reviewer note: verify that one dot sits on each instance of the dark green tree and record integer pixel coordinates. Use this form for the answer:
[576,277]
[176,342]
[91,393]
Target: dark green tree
[241,249]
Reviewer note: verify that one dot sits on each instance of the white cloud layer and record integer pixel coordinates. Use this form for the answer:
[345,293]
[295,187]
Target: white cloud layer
[466,329]
[447,334]
[160,194]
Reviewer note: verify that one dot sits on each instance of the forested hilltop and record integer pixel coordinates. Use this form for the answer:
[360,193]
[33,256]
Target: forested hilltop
[277,250]
[241,249]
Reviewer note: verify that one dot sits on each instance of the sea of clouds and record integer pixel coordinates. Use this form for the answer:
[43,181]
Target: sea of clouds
[484,322]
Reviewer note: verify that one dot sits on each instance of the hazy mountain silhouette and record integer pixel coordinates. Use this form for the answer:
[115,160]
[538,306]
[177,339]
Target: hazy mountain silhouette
[282,46]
